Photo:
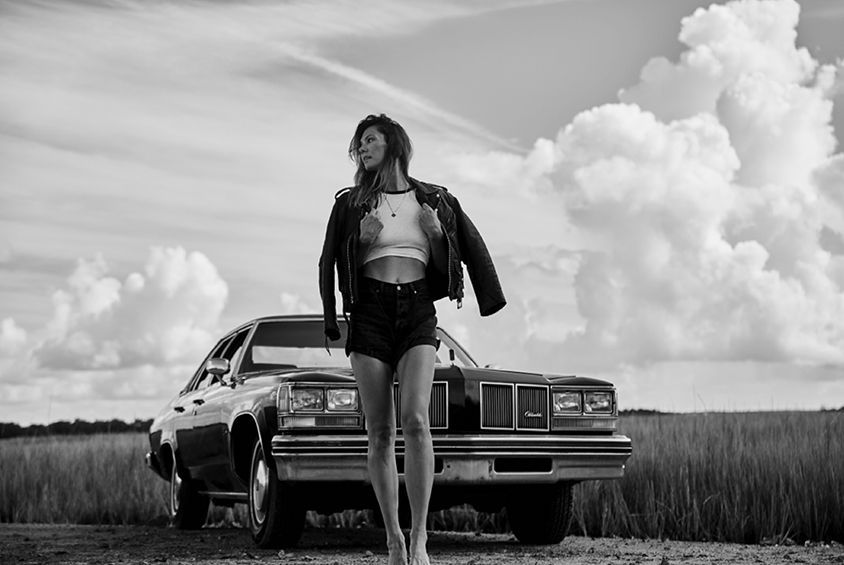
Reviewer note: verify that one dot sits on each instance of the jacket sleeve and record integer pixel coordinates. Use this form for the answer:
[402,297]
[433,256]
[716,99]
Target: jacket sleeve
[478,263]
[326,273]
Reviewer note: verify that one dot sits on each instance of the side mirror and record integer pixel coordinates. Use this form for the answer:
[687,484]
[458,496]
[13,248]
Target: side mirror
[451,356]
[218,367]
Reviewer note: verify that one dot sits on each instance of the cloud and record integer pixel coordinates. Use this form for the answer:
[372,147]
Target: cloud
[12,338]
[166,315]
[293,304]
[709,197]
[725,43]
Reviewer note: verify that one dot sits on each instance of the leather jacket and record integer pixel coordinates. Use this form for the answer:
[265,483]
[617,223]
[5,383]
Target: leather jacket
[460,236]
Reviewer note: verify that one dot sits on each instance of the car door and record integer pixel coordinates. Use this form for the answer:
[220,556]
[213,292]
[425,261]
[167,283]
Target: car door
[189,440]
[209,431]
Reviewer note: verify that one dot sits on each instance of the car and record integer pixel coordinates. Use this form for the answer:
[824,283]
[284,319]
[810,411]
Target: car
[272,419]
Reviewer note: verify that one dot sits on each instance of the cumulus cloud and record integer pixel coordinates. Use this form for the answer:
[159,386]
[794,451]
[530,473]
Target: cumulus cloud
[12,338]
[725,43]
[167,314]
[712,197]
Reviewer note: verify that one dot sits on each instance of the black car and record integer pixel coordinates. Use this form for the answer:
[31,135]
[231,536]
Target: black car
[272,419]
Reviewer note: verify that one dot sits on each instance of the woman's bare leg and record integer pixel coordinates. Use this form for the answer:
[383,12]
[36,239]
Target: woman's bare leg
[416,375]
[375,383]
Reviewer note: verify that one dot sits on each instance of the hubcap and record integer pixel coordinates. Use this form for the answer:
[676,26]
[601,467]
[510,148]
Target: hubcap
[260,480]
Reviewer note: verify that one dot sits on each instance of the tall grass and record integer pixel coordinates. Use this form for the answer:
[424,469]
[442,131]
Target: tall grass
[726,477]
[97,479]
[730,477]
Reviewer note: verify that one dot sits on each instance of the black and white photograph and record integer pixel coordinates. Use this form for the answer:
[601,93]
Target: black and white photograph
[413,282]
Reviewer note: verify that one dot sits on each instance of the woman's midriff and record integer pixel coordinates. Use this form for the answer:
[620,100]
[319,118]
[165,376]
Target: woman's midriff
[395,270]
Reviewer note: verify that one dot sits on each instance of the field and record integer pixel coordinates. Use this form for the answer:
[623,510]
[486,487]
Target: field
[752,478]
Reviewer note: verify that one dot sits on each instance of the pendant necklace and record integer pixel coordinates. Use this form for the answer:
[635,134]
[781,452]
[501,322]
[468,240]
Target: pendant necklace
[395,210]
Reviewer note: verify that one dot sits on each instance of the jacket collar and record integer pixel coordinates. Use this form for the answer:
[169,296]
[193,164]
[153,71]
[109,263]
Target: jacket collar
[426,193]
[422,187]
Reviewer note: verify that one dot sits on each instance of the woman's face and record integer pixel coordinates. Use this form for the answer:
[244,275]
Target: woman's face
[373,147]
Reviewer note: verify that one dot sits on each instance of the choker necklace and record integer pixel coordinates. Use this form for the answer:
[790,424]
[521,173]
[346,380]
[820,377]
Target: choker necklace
[395,210]
[408,189]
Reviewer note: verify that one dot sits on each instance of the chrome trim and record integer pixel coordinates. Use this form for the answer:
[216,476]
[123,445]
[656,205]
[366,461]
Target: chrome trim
[236,496]
[502,408]
[465,459]
[520,413]
[502,443]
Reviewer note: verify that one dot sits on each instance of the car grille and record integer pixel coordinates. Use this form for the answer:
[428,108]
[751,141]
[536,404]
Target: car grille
[508,407]
[533,407]
[437,410]
[496,406]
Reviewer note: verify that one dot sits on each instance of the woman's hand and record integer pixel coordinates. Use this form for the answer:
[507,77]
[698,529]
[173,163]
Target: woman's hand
[370,227]
[430,222]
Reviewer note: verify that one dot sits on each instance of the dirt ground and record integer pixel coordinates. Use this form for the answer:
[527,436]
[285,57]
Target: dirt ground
[59,544]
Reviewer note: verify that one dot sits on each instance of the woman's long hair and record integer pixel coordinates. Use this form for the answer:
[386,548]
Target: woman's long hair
[369,184]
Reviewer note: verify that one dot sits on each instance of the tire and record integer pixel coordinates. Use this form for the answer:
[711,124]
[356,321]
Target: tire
[540,514]
[276,514]
[188,508]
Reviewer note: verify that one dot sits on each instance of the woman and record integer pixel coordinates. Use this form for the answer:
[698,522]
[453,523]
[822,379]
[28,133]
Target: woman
[397,244]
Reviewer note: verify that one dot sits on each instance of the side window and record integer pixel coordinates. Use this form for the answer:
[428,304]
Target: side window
[235,349]
[204,378]
[449,345]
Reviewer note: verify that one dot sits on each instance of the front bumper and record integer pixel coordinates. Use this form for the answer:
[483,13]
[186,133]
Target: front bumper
[461,459]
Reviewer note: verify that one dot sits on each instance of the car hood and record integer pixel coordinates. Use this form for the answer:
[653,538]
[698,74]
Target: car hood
[345,375]
[307,374]
[487,374]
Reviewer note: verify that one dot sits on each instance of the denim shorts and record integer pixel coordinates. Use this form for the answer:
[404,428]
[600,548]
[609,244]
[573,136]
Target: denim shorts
[388,319]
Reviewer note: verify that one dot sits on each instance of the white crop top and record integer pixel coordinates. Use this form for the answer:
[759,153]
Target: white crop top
[402,236]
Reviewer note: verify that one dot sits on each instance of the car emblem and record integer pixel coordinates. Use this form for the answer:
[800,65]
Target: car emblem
[529,414]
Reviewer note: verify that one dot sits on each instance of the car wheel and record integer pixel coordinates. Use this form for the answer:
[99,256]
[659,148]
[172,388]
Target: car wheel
[276,515]
[540,514]
[188,508]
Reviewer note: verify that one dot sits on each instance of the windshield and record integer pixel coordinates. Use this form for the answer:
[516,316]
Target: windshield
[282,344]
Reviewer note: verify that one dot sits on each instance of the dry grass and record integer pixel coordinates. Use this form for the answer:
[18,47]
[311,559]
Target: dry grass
[726,477]
[758,477]
[97,479]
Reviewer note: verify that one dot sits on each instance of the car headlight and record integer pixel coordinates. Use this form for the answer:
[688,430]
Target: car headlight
[306,399]
[567,403]
[342,399]
[598,402]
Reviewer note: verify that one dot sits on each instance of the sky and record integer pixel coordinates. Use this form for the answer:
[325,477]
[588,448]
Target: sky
[660,184]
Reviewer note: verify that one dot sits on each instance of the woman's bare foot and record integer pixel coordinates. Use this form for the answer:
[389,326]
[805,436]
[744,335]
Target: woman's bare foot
[420,559]
[397,551]
[418,551]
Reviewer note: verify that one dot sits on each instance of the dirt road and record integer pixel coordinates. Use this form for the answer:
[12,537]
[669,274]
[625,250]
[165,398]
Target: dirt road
[59,544]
